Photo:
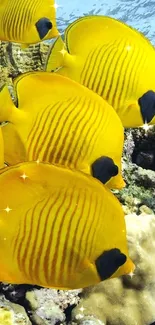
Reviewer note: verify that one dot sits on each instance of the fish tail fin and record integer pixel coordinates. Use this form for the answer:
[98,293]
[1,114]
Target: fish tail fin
[8,111]
[56,55]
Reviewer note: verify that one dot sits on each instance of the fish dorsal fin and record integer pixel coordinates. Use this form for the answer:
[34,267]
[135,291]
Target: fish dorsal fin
[30,85]
[85,33]
[45,86]
[23,89]
[8,111]
[38,86]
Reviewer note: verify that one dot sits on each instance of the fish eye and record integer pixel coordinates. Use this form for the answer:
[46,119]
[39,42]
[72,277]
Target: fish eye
[43,26]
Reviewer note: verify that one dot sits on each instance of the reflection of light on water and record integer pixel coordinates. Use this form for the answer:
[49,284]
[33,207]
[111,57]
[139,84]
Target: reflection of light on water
[24,176]
[7,209]
[131,274]
[128,48]
[56,6]
[146,127]
[63,51]
[82,309]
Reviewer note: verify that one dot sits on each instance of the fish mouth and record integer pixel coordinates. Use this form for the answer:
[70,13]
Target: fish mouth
[43,26]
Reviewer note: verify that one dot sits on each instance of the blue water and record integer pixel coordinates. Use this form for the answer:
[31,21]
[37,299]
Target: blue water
[137,13]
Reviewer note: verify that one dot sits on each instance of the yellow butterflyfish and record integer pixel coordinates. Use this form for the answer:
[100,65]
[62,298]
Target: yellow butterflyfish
[114,60]
[59,228]
[61,121]
[27,21]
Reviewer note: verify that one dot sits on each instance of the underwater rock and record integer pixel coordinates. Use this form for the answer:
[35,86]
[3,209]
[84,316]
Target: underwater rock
[14,60]
[144,148]
[128,300]
[138,175]
[145,210]
[139,190]
[12,314]
[50,304]
[90,321]
[129,144]
[139,145]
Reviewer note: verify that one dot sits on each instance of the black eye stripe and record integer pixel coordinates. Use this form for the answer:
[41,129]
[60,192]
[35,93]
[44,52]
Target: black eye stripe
[108,263]
[147,106]
[49,24]
[43,26]
[104,168]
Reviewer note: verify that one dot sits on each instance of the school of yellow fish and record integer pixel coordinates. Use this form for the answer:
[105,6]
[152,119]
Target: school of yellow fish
[60,224]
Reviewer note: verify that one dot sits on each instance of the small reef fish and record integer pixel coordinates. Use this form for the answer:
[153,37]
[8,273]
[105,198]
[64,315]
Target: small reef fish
[60,121]
[27,21]
[59,228]
[112,59]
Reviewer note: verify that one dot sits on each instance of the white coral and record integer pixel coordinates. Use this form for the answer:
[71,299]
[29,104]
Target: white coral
[128,301]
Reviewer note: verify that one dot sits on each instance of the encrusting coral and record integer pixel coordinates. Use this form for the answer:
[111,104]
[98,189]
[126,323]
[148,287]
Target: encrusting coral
[128,300]
[12,314]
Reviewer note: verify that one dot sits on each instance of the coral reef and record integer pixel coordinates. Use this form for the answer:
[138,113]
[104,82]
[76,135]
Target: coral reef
[11,314]
[51,305]
[14,60]
[140,182]
[128,300]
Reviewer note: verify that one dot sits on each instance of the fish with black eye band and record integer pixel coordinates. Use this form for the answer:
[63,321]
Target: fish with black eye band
[114,60]
[27,21]
[60,228]
[57,120]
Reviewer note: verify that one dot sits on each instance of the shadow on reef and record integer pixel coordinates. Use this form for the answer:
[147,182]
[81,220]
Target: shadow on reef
[139,194]
[144,151]
[17,295]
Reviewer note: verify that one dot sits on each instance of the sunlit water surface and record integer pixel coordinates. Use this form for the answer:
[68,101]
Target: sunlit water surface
[137,13]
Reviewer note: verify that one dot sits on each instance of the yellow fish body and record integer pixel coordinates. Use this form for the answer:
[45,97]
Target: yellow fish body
[112,59]
[1,150]
[60,121]
[59,228]
[27,21]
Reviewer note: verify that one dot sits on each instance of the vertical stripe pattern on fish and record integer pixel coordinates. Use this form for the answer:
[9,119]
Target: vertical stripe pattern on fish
[60,223]
[65,123]
[27,21]
[112,59]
